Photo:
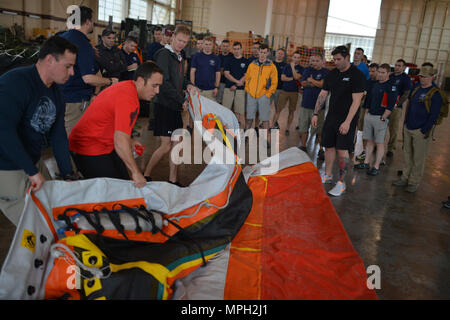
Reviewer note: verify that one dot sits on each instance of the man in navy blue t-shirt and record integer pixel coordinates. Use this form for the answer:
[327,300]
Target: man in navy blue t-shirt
[234,93]
[403,84]
[373,72]
[223,56]
[32,117]
[131,57]
[290,74]
[419,122]
[79,89]
[380,104]
[205,70]
[312,82]
[280,63]
[156,45]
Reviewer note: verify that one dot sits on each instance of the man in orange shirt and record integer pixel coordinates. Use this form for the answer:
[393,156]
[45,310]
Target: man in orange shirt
[101,142]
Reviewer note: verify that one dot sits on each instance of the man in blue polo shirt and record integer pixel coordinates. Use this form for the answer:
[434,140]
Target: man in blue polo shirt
[381,102]
[403,84]
[312,82]
[79,89]
[205,71]
[131,57]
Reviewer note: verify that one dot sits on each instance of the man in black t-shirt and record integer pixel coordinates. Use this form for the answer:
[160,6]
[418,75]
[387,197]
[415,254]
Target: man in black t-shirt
[346,84]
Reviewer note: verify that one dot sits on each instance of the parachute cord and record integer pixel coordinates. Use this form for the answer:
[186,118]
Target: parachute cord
[182,231]
[61,250]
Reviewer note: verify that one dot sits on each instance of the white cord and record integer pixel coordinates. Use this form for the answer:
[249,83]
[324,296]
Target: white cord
[59,250]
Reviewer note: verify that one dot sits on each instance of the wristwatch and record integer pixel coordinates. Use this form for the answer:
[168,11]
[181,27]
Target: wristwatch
[315,114]
[382,119]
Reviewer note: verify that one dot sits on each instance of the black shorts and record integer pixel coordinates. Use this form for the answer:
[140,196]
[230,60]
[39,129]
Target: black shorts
[166,121]
[332,138]
[101,166]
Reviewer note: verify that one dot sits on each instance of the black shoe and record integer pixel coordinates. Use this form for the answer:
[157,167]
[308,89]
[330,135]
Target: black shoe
[303,149]
[189,129]
[446,204]
[148,178]
[297,128]
[276,126]
[389,154]
[361,166]
[373,172]
[286,132]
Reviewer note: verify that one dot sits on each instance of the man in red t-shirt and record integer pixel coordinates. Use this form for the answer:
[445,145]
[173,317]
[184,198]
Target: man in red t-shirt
[101,142]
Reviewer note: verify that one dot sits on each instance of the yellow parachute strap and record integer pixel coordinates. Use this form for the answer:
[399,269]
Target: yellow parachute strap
[224,135]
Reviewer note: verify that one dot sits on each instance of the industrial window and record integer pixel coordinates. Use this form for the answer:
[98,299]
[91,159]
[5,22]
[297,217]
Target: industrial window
[354,23]
[112,8]
[138,9]
[160,15]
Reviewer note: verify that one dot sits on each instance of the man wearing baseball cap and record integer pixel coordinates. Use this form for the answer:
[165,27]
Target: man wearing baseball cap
[111,61]
[421,114]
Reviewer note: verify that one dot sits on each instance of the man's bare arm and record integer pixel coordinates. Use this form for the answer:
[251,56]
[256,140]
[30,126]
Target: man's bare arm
[321,99]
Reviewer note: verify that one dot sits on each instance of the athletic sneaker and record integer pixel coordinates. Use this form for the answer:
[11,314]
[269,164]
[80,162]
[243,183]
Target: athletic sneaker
[326,179]
[361,157]
[338,189]
[373,172]
[361,166]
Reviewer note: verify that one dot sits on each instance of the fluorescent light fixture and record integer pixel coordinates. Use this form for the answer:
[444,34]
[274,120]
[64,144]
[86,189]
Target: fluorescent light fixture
[9,13]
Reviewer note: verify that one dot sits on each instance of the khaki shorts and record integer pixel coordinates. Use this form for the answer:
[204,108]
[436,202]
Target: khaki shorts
[236,98]
[74,111]
[304,121]
[207,94]
[291,97]
[374,128]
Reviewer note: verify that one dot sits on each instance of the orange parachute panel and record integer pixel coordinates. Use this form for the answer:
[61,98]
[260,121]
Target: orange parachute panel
[305,252]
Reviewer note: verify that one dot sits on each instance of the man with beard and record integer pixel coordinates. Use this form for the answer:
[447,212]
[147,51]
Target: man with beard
[101,141]
[346,84]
